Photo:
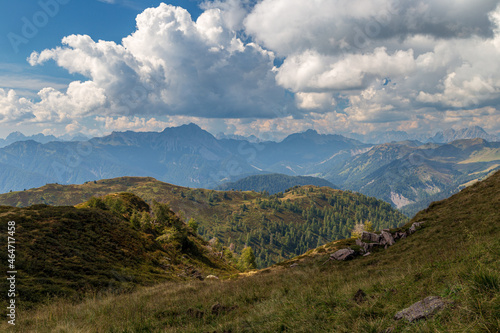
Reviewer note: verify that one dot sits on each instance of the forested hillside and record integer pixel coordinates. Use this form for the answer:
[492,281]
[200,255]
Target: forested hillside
[276,227]
[273,183]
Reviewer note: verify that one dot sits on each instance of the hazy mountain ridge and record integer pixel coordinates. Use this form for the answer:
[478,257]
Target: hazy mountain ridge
[185,155]
[445,136]
[414,176]
[450,135]
[41,138]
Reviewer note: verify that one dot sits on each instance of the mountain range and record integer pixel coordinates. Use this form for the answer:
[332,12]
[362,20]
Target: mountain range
[445,136]
[41,138]
[185,155]
[407,174]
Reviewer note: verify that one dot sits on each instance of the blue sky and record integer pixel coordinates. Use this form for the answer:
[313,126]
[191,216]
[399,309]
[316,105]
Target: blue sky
[107,20]
[266,67]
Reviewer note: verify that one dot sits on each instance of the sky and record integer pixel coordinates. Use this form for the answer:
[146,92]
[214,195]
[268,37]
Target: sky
[262,67]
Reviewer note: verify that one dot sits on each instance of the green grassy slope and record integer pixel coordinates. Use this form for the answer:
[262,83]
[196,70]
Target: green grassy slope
[277,227]
[455,255]
[65,251]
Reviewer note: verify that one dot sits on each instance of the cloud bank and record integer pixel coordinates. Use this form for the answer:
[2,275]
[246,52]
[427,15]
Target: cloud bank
[283,65]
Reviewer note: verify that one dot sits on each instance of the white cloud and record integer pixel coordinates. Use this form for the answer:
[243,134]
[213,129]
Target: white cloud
[134,124]
[356,64]
[12,107]
[315,100]
[392,60]
[334,26]
[316,72]
[171,65]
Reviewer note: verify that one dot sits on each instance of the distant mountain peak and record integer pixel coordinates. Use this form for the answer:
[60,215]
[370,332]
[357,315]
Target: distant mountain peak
[15,135]
[311,132]
[473,132]
[190,126]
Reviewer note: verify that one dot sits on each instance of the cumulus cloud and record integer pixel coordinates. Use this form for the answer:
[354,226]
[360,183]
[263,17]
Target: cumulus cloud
[289,26]
[315,100]
[391,60]
[172,65]
[134,123]
[313,71]
[282,65]
[12,107]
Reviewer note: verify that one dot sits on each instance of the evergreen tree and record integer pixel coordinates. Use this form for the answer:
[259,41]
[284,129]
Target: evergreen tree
[247,259]
[193,225]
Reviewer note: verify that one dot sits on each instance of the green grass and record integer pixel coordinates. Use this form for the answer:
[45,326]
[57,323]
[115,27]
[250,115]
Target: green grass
[455,255]
[67,252]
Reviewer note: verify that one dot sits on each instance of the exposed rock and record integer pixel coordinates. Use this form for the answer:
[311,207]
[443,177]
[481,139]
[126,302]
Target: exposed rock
[367,247]
[294,265]
[399,235]
[343,254]
[414,227]
[367,254]
[422,309]
[370,237]
[210,277]
[388,239]
[360,296]
[385,239]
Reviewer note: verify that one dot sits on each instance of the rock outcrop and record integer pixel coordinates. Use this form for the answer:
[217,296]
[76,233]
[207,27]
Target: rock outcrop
[370,237]
[385,239]
[343,254]
[414,227]
[422,309]
[367,247]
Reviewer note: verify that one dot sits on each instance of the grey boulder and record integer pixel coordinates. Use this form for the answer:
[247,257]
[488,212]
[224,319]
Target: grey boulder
[343,254]
[422,309]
